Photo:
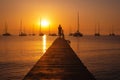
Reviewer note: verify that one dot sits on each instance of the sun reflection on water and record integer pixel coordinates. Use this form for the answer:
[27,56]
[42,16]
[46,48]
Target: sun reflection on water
[44,43]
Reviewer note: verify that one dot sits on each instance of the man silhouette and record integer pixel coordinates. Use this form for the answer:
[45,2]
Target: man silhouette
[59,30]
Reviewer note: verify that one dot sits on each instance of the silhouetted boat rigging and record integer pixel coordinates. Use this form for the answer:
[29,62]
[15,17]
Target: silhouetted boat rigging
[22,33]
[51,34]
[70,34]
[97,30]
[40,33]
[33,33]
[112,32]
[78,33]
[6,31]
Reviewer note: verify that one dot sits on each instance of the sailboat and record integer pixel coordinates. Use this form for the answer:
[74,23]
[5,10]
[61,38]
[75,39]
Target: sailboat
[51,34]
[6,31]
[78,33]
[70,34]
[112,32]
[97,30]
[33,34]
[22,33]
[40,33]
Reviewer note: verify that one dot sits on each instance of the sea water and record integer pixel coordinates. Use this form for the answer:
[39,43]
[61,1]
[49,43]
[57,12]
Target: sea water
[101,55]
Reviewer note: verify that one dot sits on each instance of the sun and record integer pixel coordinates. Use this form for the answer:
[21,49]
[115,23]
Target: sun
[44,23]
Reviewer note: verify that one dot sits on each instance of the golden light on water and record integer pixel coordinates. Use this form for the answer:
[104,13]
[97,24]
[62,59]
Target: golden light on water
[44,43]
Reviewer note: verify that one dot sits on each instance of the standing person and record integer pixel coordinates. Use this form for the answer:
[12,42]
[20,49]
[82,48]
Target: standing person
[59,30]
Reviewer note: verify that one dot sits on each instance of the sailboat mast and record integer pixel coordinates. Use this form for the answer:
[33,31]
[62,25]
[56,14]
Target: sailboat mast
[20,26]
[5,27]
[40,27]
[112,29]
[78,23]
[95,29]
[24,30]
[33,29]
[98,28]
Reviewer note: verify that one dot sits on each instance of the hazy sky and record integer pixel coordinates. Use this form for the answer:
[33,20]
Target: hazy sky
[64,12]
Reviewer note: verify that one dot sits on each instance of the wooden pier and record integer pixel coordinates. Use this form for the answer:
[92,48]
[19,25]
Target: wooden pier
[59,62]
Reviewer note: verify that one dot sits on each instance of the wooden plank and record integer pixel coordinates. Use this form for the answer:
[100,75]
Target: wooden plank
[59,62]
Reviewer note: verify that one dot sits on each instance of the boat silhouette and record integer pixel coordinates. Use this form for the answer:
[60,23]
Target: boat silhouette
[78,33]
[97,30]
[40,33]
[97,34]
[70,34]
[112,32]
[22,33]
[6,31]
[52,34]
[33,33]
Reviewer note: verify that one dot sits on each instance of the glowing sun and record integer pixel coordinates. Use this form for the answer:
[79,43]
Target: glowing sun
[44,23]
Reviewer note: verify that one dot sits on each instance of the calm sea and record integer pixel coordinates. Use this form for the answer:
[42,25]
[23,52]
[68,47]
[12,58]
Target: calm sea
[101,55]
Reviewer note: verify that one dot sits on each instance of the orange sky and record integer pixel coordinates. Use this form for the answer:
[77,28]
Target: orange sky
[64,12]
